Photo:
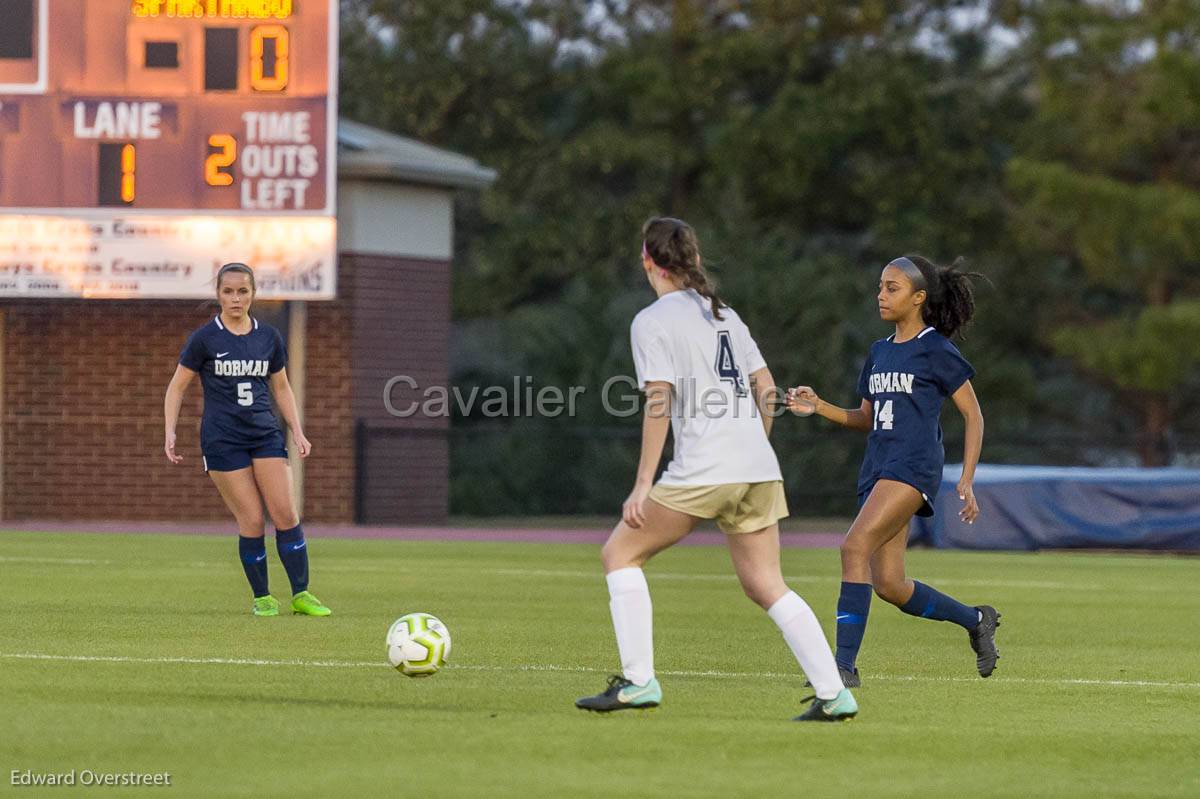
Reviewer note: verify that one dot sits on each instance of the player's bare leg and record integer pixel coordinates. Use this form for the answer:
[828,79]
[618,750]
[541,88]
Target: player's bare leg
[887,569]
[624,554]
[274,479]
[887,510]
[918,599]
[757,564]
[632,547]
[888,507]
[241,496]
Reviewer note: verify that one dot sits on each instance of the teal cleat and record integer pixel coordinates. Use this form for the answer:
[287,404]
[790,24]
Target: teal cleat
[841,708]
[621,694]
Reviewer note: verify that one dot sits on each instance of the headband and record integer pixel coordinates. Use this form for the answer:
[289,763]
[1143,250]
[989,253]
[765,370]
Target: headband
[912,272]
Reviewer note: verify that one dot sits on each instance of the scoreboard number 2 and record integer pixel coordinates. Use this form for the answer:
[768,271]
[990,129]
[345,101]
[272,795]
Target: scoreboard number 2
[226,153]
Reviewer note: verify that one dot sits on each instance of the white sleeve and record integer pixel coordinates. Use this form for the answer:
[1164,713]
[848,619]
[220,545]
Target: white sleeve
[754,358]
[651,355]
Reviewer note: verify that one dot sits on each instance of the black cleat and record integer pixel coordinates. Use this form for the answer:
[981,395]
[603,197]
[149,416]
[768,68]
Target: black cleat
[983,640]
[850,679]
[841,708]
[621,694]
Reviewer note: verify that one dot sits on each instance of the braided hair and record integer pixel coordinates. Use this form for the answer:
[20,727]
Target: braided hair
[672,245]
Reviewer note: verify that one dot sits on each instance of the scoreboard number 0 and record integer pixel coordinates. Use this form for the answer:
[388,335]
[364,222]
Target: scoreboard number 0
[269,58]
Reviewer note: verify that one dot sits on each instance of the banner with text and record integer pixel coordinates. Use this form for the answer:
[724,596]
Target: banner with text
[136,256]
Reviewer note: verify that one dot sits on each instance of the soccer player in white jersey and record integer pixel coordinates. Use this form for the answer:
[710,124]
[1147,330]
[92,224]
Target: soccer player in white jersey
[704,378]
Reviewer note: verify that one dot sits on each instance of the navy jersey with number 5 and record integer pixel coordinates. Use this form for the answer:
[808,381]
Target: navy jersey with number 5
[235,372]
[906,384]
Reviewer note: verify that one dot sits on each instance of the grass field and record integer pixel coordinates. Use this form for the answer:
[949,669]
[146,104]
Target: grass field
[137,653]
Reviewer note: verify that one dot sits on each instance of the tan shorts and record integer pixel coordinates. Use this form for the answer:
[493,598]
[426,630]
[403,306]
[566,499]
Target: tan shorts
[737,507]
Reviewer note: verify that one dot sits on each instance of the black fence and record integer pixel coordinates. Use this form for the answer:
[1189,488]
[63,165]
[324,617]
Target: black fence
[526,468]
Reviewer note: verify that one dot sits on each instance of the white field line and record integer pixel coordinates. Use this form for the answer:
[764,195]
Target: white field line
[597,576]
[549,667]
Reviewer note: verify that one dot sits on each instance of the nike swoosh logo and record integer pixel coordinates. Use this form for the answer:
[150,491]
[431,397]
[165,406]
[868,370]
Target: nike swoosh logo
[260,557]
[627,695]
[222,354]
[841,616]
[301,545]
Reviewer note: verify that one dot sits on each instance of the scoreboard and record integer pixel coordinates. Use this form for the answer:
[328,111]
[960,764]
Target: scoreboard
[143,143]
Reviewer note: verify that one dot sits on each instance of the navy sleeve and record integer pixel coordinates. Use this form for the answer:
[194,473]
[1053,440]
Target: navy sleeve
[194,354]
[950,368]
[279,354]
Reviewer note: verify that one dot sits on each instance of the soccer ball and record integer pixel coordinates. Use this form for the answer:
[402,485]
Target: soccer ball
[418,644]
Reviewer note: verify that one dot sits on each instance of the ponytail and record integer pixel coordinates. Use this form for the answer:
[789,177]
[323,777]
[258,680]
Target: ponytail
[672,245]
[950,295]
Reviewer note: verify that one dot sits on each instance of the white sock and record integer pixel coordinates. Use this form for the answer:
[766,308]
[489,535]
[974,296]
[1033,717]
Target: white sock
[633,622]
[806,639]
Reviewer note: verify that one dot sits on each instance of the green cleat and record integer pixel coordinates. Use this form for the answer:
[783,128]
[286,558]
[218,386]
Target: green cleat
[841,708]
[308,605]
[266,606]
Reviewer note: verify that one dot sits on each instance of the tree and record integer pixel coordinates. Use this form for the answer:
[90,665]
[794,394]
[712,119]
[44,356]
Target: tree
[1109,181]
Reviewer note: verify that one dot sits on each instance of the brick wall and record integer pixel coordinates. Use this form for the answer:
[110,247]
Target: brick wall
[82,414]
[83,384]
[401,326]
[82,420]
[328,418]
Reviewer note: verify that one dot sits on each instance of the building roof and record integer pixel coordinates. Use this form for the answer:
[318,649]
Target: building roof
[368,153]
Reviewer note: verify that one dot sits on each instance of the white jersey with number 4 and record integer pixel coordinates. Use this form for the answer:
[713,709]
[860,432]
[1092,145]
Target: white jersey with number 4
[719,435]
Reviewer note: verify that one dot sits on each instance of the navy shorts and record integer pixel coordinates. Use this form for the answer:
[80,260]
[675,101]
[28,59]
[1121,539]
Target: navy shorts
[926,510]
[229,456]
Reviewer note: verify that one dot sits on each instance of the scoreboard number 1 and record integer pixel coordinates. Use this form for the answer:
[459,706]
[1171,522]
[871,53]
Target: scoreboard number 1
[117,182]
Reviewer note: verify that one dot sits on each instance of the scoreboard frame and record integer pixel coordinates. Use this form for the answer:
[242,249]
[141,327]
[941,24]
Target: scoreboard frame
[43,54]
[294,246]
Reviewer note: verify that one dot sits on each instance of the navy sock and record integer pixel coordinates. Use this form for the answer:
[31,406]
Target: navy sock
[253,552]
[293,551]
[929,603]
[853,606]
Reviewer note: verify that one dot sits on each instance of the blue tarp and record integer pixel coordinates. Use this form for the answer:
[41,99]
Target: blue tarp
[1035,507]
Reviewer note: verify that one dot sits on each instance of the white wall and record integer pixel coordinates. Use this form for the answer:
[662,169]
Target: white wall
[389,219]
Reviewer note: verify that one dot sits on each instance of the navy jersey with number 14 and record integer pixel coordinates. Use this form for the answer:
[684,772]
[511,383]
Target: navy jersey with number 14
[235,372]
[906,384]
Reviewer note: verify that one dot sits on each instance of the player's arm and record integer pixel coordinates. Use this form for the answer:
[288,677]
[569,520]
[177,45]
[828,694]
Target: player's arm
[762,384]
[803,401]
[968,405]
[286,400]
[656,421]
[171,404]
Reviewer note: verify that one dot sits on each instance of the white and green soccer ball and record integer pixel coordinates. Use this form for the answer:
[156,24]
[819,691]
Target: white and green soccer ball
[418,644]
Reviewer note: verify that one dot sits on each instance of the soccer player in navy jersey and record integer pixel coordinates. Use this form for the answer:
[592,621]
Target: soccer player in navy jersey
[241,362]
[904,382]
